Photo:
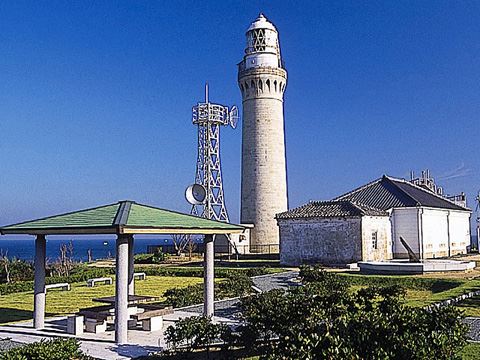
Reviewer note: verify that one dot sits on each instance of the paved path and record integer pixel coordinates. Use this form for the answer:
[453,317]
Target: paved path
[230,308]
[474,332]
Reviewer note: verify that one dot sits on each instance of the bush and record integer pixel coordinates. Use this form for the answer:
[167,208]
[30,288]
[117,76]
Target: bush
[195,332]
[235,285]
[180,297]
[159,257]
[55,349]
[323,321]
[198,271]
[79,274]
[311,274]
[19,270]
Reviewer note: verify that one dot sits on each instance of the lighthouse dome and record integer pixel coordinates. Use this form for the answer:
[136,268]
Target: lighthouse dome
[262,48]
[261,22]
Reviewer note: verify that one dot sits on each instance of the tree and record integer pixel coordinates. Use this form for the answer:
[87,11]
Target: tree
[183,242]
[65,262]
[5,263]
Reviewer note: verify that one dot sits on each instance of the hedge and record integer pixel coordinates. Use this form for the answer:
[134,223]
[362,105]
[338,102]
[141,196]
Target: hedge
[55,349]
[80,276]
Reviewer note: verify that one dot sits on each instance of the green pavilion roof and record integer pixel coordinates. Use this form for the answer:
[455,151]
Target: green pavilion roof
[124,217]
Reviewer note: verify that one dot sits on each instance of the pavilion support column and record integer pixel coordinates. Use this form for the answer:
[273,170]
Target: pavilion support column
[209,275]
[121,290]
[39,286]
[131,270]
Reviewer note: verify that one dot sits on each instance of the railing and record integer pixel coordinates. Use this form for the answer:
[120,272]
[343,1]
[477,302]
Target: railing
[199,248]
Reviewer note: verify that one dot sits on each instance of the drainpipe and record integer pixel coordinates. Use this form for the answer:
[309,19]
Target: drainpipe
[393,233]
[420,233]
[449,244]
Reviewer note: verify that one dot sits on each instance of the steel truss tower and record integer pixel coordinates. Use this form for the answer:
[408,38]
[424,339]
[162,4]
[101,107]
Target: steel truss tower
[209,118]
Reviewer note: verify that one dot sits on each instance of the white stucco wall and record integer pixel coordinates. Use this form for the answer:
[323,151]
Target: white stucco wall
[380,225]
[430,232]
[459,231]
[405,224]
[435,233]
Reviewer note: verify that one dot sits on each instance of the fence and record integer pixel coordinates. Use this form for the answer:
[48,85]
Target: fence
[199,248]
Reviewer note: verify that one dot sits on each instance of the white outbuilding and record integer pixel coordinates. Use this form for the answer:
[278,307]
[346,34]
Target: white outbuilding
[431,224]
[334,233]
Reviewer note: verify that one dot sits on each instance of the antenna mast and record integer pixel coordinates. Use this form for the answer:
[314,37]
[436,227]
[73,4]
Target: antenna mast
[209,118]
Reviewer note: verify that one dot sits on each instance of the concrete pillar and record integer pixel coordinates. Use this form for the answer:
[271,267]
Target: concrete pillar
[39,286]
[208,277]
[121,290]
[131,270]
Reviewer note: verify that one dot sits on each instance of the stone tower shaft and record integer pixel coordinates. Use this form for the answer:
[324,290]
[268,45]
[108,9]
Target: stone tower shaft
[262,80]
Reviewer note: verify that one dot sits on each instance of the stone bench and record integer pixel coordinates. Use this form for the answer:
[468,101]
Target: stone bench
[140,275]
[104,280]
[62,286]
[94,318]
[152,317]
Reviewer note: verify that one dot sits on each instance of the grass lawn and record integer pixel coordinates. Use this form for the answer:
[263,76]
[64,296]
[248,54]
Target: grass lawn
[19,306]
[425,297]
[471,307]
[471,351]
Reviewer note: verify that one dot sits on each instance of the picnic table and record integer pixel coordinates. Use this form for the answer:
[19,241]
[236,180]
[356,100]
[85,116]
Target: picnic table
[132,299]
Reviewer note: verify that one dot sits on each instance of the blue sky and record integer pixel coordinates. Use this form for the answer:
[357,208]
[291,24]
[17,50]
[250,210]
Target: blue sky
[96,97]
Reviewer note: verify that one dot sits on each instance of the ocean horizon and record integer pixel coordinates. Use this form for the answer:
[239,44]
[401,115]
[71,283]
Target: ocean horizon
[101,248]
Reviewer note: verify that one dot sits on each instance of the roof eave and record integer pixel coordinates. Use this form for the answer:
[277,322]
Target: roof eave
[173,230]
[61,231]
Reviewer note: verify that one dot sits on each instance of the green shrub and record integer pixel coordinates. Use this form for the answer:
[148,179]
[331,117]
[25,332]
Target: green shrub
[55,349]
[19,270]
[322,321]
[191,271]
[159,257]
[234,285]
[180,297]
[78,275]
[311,274]
[195,332]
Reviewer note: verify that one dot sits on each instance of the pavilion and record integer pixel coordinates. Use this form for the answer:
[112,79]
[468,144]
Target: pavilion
[123,219]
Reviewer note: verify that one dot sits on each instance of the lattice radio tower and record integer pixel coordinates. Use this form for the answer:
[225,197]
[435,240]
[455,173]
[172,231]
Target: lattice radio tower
[209,118]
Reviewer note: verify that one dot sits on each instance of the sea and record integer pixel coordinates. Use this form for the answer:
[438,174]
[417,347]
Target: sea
[100,248]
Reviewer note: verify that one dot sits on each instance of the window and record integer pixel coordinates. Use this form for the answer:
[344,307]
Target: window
[374,240]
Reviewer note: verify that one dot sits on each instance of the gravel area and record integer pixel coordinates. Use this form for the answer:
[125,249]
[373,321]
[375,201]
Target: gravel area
[282,280]
[230,309]
[474,332]
[7,344]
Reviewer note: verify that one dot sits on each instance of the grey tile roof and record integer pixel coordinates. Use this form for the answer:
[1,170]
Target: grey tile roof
[342,208]
[388,192]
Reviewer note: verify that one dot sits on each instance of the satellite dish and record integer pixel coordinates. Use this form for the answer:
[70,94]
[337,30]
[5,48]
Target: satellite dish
[233,116]
[195,194]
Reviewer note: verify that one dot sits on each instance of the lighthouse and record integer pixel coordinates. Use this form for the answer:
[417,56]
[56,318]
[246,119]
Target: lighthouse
[262,79]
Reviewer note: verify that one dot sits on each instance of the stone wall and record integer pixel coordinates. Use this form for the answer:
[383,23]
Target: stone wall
[320,240]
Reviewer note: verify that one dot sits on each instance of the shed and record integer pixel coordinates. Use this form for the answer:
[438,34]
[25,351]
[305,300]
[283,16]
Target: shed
[333,232]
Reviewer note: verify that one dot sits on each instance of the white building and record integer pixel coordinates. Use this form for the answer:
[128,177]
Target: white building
[432,225]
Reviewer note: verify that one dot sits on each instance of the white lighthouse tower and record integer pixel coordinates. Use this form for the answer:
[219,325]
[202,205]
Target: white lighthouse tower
[262,79]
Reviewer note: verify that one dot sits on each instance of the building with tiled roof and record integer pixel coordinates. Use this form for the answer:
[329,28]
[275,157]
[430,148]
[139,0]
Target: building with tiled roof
[432,224]
[334,232]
